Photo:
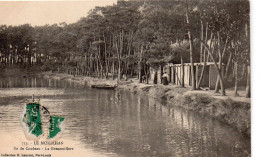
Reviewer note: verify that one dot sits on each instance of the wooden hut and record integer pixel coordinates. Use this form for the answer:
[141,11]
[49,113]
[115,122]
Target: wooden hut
[208,80]
[157,67]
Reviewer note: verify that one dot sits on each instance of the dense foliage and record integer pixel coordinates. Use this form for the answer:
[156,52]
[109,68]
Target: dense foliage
[128,37]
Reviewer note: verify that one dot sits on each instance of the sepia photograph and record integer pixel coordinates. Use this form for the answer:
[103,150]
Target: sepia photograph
[125,78]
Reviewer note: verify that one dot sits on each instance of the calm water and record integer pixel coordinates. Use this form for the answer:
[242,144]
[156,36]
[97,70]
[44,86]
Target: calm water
[129,125]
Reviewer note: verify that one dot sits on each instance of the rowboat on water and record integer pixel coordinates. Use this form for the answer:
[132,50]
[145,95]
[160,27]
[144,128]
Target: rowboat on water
[104,86]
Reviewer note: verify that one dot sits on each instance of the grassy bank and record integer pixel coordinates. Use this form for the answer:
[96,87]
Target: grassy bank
[81,80]
[231,110]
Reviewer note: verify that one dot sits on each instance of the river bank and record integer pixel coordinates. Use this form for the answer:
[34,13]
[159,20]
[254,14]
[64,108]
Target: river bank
[234,111]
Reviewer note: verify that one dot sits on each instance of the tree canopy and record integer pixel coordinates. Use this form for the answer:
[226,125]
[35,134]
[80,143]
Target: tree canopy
[128,37]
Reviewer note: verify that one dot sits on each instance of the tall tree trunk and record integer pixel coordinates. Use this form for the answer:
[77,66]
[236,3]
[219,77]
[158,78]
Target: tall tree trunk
[140,65]
[101,69]
[106,60]
[248,83]
[29,55]
[221,55]
[182,77]
[216,65]
[113,70]
[119,48]
[130,40]
[235,70]
[204,57]
[243,74]
[202,36]
[100,62]
[147,73]
[193,81]
[220,78]
[98,73]
[119,70]
[227,66]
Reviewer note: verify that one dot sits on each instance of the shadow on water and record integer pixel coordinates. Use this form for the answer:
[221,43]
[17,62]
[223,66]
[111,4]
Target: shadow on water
[123,124]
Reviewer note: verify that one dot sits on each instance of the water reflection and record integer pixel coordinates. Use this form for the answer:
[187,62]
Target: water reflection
[124,125]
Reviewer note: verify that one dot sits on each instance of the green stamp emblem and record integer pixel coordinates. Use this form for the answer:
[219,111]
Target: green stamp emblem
[32,118]
[55,126]
[38,121]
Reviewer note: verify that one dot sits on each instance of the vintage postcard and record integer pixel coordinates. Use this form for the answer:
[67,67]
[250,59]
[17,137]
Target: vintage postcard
[125,78]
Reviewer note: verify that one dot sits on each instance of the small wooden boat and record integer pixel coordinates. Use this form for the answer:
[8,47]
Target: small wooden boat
[104,86]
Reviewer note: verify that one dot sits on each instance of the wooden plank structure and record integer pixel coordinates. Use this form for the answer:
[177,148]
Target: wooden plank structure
[175,74]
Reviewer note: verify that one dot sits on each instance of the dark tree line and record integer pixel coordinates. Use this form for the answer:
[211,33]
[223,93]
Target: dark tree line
[129,37]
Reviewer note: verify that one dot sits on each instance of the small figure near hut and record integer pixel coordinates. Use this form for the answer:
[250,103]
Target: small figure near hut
[124,77]
[165,78]
[155,78]
[143,78]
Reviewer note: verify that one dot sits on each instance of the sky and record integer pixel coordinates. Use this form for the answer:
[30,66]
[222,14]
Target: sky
[46,12]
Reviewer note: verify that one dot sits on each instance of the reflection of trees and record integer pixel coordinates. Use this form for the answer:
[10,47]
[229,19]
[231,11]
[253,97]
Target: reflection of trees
[12,82]
[197,135]
[137,125]
[135,128]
